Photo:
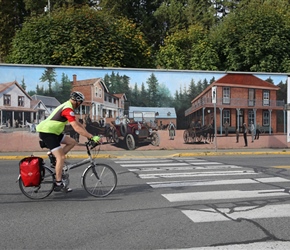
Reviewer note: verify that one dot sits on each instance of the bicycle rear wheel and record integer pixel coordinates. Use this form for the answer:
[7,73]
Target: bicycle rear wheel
[99,180]
[43,190]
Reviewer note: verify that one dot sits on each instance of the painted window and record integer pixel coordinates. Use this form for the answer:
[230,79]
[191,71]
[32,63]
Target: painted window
[21,101]
[251,101]
[251,117]
[7,100]
[266,118]
[226,95]
[226,116]
[266,98]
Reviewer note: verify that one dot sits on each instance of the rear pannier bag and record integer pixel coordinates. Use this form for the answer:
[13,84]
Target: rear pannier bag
[31,171]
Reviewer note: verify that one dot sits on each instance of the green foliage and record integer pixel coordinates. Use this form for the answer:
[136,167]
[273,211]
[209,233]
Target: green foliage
[251,40]
[23,85]
[152,91]
[49,76]
[12,13]
[83,37]
[188,49]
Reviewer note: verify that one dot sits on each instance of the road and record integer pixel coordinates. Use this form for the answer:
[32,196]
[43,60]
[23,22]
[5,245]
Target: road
[169,203]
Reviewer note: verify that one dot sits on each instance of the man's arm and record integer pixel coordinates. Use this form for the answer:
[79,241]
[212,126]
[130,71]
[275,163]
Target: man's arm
[78,127]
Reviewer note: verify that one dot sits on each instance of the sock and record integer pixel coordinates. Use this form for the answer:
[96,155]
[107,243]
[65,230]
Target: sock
[58,183]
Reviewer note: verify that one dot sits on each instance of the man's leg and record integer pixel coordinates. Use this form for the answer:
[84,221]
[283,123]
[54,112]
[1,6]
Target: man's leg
[69,144]
[60,156]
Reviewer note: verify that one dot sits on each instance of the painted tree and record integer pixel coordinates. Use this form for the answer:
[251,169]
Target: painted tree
[49,76]
[152,90]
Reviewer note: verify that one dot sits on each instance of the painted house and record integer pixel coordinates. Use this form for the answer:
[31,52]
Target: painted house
[237,99]
[163,115]
[99,102]
[15,105]
[49,102]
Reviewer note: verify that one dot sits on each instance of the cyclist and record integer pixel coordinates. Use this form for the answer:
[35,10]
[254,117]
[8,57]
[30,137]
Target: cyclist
[51,133]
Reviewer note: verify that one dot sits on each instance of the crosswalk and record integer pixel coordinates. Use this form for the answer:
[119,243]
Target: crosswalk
[205,181]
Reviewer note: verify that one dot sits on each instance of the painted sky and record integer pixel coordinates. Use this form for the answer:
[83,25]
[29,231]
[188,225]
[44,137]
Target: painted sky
[172,79]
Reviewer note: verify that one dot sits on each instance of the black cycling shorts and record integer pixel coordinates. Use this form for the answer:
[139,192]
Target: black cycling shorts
[51,140]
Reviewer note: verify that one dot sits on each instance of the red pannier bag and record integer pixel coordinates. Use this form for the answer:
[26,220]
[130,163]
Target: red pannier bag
[31,171]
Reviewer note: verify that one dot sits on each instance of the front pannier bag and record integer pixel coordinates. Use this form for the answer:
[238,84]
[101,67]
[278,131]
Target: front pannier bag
[31,171]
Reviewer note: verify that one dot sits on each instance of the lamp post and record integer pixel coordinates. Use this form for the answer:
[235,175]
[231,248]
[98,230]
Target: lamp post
[208,116]
[214,99]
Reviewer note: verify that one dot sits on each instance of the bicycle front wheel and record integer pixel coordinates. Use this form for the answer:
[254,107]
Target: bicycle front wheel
[43,190]
[99,180]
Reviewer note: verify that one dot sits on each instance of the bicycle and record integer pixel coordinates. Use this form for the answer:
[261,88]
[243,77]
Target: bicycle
[98,179]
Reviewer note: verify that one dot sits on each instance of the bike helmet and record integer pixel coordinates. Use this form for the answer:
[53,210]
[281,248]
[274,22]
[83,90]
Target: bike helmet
[77,96]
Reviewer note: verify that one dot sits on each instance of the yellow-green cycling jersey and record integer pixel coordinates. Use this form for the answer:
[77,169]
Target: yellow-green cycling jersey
[55,123]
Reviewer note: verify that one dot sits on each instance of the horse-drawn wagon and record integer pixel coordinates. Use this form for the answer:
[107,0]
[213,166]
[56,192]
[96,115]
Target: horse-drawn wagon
[197,134]
[95,129]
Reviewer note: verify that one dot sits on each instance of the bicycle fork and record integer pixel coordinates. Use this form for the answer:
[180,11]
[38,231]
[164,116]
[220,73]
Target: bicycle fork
[92,166]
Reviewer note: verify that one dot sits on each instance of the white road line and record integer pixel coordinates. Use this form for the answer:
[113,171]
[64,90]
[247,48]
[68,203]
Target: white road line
[207,163]
[191,183]
[142,161]
[224,195]
[196,174]
[168,168]
[158,164]
[247,212]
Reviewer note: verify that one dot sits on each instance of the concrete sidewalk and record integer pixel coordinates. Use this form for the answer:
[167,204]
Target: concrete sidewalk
[17,144]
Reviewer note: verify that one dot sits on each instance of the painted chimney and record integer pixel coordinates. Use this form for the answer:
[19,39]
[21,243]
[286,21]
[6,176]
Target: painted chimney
[74,79]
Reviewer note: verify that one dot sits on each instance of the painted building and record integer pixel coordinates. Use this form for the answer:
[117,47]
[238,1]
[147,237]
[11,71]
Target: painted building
[50,103]
[237,99]
[99,102]
[163,115]
[17,107]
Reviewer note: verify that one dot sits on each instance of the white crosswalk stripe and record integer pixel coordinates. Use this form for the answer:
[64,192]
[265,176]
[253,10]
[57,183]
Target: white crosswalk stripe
[189,183]
[204,174]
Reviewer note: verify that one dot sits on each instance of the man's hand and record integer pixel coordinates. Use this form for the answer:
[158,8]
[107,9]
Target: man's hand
[96,139]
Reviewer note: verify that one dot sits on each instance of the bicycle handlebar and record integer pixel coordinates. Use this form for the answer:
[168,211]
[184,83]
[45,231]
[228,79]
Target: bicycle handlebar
[92,144]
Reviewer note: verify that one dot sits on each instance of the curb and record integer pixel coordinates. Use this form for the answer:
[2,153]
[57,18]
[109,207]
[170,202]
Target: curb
[110,156]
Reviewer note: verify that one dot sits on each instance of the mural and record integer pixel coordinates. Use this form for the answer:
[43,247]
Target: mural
[172,79]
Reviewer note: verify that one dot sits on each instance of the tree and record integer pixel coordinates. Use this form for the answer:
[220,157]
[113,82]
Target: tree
[165,98]
[143,96]
[153,95]
[49,76]
[83,37]
[251,40]
[61,91]
[188,49]
[23,85]
[12,13]
[140,13]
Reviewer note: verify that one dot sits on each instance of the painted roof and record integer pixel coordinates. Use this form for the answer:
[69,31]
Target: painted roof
[48,101]
[89,82]
[239,80]
[120,95]
[163,112]
[4,86]
[246,80]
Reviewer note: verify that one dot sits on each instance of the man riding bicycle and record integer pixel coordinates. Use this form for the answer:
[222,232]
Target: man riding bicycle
[51,133]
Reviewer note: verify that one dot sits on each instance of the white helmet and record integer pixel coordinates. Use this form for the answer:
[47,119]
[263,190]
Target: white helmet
[77,96]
